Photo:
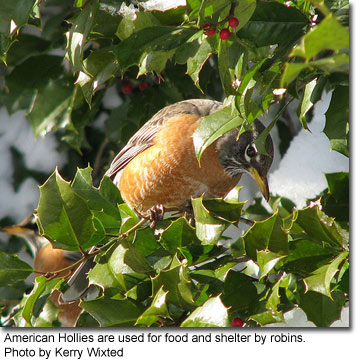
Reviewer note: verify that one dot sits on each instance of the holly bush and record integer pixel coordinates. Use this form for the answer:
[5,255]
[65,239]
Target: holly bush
[61,59]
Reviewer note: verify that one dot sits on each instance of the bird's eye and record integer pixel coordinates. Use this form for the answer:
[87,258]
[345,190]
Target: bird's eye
[251,151]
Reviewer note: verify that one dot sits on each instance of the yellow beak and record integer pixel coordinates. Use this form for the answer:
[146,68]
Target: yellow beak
[261,182]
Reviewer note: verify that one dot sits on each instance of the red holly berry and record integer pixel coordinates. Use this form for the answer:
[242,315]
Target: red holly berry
[224,34]
[209,29]
[237,322]
[126,87]
[233,22]
[143,86]
[210,32]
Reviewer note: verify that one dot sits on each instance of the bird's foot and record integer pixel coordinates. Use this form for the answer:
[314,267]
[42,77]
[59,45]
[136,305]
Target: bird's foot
[155,214]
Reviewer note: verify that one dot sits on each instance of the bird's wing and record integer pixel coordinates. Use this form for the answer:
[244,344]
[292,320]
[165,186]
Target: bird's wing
[144,137]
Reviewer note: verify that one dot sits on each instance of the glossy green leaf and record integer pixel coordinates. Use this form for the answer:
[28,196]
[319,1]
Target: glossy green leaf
[102,201]
[267,235]
[208,228]
[77,36]
[268,317]
[65,217]
[12,269]
[212,127]
[328,35]
[243,11]
[318,226]
[28,78]
[38,296]
[177,235]
[128,26]
[337,120]
[267,261]
[212,313]
[176,283]
[111,312]
[196,62]
[305,256]
[273,23]
[320,280]
[306,103]
[98,67]
[157,310]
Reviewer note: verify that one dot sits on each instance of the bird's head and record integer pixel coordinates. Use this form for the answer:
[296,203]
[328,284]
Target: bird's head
[238,154]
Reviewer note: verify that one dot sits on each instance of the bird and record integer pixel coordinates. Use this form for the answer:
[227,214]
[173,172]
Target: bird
[47,259]
[157,170]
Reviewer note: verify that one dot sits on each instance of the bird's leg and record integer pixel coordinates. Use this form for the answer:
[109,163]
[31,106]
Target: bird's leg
[189,214]
[155,214]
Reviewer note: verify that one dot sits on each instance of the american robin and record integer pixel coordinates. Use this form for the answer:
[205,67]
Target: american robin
[46,260]
[157,170]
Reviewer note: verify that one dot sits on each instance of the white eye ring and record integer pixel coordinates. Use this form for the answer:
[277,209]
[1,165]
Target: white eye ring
[250,152]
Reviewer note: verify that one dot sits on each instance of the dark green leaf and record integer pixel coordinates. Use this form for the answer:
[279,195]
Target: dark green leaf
[337,120]
[177,235]
[320,309]
[12,269]
[109,312]
[50,110]
[336,202]
[239,291]
[267,235]
[273,23]
[160,38]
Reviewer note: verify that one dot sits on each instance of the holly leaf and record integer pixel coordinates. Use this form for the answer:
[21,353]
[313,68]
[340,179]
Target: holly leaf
[112,312]
[318,226]
[212,313]
[157,310]
[239,291]
[12,269]
[65,218]
[208,228]
[320,309]
[337,120]
[176,283]
[196,62]
[321,278]
[267,235]
[272,23]
[212,127]
[77,36]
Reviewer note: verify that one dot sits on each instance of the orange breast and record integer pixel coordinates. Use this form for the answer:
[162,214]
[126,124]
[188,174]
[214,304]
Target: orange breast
[168,172]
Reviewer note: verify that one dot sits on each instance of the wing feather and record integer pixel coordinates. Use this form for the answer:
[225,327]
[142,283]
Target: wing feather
[144,137]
